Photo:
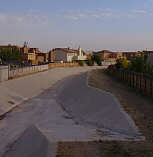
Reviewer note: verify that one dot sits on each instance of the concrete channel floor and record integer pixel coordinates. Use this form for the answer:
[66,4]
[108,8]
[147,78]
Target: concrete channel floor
[69,111]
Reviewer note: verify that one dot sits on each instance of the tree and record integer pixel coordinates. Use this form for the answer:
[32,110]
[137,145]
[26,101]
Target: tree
[9,55]
[81,63]
[97,59]
[122,63]
[90,62]
[139,64]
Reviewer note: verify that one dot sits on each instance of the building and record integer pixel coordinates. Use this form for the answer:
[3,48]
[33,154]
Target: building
[107,55]
[33,55]
[68,55]
[150,56]
[131,55]
[51,56]
[81,55]
[40,58]
[115,55]
[150,59]
[104,55]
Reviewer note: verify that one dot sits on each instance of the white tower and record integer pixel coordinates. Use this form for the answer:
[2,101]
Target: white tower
[80,51]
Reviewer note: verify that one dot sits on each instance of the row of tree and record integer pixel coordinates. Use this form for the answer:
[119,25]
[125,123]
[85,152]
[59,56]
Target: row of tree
[139,64]
[9,55]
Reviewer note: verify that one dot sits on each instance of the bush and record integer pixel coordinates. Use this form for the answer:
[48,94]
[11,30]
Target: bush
[122,63]
[139,64]
[81,63]
[90,62]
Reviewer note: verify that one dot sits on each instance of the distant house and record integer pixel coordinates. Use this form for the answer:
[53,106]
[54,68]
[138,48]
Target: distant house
[33,55]
[150,59]
[104,54]
[41,58]
[131,55]
[50,56]
[68,55]
[107,55]
[150,56]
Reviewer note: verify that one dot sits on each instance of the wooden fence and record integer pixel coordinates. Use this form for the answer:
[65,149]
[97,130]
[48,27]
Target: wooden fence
[142,82]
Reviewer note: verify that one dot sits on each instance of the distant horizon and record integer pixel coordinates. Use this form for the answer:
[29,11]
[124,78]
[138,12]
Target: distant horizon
[94,25]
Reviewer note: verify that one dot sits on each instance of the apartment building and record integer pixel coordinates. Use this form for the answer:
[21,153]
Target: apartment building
[68,55]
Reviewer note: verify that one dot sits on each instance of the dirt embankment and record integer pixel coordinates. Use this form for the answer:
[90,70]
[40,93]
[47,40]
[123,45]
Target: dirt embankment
[140,108]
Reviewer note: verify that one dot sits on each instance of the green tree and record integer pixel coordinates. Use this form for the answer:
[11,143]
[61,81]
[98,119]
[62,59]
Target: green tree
[90,62]
[139,64]
[9,55]
[81,63]
[122,63]
[97,59]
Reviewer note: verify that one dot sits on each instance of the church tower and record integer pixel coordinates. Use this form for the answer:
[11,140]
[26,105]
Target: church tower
[80,51]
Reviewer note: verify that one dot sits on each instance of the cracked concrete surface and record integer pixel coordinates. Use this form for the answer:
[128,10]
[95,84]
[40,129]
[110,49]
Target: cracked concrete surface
[69,111]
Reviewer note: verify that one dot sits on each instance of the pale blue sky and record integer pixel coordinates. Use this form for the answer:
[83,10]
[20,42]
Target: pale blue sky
[92,24]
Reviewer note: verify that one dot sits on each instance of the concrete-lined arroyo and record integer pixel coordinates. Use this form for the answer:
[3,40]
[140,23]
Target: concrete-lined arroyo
[69,110]
[31,143]
[93,107]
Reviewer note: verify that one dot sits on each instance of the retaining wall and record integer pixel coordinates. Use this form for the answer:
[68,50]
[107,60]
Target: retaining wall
[55,65]
[17,72]
[26,70]
[3,73]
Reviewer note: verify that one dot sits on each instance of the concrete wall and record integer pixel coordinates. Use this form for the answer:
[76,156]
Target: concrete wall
[33,69]
[27,70]
[3,73]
